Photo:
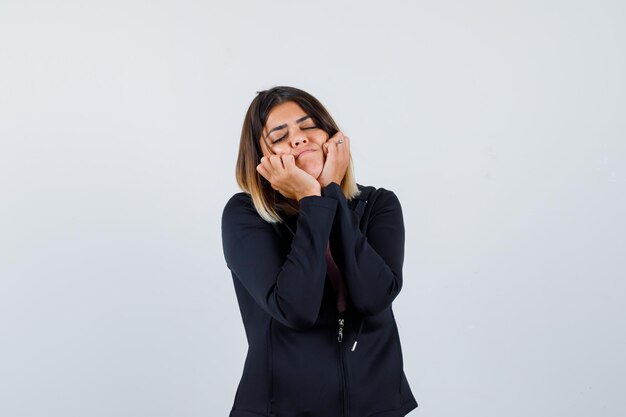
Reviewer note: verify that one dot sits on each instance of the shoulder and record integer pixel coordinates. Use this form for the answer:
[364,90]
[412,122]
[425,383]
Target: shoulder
[380,209]
[378,195]
[238,199]
[240,209]
[240,219]
[237,202]
[380,203]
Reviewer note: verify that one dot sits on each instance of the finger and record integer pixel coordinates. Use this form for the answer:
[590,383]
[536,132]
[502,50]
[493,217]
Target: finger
[335,137]
[344,146]
[331,148]
[277,162]
[267,165]
[289,161]
[261,169]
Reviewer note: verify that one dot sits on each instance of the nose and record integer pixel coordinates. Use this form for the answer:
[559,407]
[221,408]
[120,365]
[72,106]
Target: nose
[297,140]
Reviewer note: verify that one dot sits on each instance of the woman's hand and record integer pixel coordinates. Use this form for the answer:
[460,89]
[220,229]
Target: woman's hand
[286,178]
[337,159]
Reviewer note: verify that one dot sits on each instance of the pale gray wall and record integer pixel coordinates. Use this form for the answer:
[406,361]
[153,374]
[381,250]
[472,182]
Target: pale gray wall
[499,125]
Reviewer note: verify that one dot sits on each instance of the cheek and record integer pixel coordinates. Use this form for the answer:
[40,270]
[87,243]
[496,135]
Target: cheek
[269,150]
[264,150]
[321,139]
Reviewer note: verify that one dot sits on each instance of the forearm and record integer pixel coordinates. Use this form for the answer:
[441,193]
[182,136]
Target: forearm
[372,264]
[289,288]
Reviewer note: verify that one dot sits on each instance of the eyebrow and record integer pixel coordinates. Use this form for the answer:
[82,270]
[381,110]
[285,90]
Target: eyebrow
[300,120]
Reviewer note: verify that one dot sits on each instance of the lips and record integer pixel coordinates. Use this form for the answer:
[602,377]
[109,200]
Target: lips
[304,152]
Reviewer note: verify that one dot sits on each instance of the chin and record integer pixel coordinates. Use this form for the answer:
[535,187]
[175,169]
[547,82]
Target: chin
[312,168]
[315,172]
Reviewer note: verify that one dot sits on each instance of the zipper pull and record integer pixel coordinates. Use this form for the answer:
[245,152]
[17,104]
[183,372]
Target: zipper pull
[340,336]
[358,333]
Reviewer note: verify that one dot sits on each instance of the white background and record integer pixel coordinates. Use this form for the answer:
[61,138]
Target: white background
[499,125]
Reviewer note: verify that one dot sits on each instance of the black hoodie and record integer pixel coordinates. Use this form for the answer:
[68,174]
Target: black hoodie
[303,357]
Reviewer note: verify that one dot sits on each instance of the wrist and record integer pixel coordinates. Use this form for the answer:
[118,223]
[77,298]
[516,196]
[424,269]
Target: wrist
[326,183]
[312,191]
[332,188]
[329,183]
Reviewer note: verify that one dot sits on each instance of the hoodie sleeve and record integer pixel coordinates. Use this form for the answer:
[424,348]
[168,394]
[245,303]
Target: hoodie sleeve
[290,288]
[372,264]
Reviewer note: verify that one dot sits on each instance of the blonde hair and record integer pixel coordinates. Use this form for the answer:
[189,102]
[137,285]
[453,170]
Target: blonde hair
[268,202]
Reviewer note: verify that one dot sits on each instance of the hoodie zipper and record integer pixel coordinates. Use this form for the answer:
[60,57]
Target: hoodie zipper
[342,365]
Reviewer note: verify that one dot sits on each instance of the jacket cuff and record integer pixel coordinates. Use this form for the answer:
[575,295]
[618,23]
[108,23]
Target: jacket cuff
[316,200]
[331,190]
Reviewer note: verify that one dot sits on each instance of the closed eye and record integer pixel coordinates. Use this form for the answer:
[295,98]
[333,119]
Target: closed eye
[279,139]
[302,128]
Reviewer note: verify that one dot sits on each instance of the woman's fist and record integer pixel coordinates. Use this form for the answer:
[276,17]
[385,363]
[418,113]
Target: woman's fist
[337,150]
[286,178]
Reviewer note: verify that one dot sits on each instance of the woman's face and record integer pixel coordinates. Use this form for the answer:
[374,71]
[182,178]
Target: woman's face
[289,130]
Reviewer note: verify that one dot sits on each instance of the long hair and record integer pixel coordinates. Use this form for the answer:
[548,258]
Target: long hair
[268,202]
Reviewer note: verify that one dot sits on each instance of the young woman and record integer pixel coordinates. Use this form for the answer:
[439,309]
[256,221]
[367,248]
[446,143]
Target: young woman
[316,261]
